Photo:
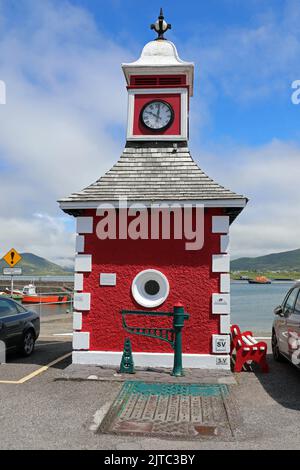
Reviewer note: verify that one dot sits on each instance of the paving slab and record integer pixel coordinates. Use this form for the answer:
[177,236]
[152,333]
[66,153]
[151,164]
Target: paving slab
[101,373]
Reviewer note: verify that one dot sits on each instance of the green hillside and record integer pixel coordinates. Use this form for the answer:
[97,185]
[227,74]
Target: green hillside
[284,261]
[35,265]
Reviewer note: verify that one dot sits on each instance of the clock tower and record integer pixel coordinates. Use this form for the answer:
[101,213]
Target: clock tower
[133,252]
[159,86]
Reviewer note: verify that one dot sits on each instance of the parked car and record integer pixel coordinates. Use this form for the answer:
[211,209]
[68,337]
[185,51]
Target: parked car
[19,327]
[286,328]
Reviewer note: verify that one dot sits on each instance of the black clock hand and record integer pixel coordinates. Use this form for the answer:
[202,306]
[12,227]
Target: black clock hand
[158,113]
[155,115]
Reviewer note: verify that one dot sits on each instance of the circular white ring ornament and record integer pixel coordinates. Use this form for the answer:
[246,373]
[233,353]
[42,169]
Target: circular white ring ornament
[150,288]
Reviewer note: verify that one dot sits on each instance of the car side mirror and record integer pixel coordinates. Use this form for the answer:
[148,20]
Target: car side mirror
[278,311]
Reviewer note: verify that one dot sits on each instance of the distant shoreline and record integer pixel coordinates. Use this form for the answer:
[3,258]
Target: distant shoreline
[272,275]
[278,276]
[39,278]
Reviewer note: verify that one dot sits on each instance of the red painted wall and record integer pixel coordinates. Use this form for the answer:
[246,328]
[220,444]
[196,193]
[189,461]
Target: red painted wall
[191,282]
[141,100]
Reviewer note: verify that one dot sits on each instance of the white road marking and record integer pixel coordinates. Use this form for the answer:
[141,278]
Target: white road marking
[62,334]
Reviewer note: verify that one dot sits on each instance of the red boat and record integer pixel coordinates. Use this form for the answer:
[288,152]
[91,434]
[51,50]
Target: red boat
[259,280]
[44,299]
[31,297]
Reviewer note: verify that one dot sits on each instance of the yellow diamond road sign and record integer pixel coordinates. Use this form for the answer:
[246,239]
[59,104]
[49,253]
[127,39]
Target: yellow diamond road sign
[12,257]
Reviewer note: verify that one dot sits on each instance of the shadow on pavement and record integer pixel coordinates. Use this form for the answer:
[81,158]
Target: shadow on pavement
[282,383]
[45,352]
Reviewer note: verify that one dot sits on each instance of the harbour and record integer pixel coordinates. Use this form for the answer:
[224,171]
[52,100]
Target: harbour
[252,305]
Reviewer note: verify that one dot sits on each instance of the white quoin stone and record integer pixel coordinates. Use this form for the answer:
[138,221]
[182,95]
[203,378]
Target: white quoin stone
[81,340]
[82,301]
[84,224]
[224,243]
[225,324]
[221,303]
[220,263]
[77,320]
[224,282]
[220,344]
[78,282]
[83,263]
[79,247]
[220,224]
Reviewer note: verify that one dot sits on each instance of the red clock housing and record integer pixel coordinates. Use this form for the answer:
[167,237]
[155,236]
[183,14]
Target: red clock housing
[140,100]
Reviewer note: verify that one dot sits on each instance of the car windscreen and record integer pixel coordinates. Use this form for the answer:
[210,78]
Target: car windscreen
[7,307]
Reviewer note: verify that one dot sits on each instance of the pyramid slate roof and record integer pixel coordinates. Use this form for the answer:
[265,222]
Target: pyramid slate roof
[152,174]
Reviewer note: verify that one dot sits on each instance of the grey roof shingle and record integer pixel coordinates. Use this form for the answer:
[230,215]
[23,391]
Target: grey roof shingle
[154,174]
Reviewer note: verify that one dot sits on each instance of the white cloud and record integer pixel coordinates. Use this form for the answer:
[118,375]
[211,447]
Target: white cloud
[250,62]
[39,234]
[65,91]
[269,177]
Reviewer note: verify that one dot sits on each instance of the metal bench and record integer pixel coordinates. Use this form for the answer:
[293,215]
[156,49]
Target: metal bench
[247,349]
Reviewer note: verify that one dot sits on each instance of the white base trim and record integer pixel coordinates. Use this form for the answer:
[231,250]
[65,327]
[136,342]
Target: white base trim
[143,359]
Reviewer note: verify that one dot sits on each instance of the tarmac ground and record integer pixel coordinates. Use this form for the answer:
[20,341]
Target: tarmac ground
[47,403]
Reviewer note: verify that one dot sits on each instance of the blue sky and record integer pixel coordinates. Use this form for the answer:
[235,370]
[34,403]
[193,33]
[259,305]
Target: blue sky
[64,121]
[204,24]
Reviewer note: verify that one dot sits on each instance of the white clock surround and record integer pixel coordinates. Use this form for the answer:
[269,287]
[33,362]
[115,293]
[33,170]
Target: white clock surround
[157,91]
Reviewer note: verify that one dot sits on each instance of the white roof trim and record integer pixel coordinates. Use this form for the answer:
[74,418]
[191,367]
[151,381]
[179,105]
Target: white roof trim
[239,202]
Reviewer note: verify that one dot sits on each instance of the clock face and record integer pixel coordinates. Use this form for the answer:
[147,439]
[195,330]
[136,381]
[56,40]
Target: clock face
[157,115]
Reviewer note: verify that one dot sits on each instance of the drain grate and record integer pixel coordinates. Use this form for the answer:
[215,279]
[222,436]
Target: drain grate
[170,410]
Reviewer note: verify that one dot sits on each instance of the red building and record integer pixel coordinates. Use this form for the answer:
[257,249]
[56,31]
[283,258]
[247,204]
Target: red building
[166,241]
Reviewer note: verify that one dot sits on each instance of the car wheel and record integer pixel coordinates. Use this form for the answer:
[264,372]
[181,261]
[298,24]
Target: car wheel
[275,349]
[28,343]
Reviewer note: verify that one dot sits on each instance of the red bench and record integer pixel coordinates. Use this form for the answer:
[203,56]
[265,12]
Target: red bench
[247,349]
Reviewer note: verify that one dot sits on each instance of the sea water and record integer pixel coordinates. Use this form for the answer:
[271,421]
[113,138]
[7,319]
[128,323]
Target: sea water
[252,305]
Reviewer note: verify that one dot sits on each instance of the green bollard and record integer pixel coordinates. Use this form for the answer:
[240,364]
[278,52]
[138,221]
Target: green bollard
[127,365]
[178,323]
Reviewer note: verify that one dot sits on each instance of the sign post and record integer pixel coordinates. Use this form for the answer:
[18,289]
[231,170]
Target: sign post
[12,258]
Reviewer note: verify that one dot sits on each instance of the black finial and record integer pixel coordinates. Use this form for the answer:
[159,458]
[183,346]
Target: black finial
[160,25]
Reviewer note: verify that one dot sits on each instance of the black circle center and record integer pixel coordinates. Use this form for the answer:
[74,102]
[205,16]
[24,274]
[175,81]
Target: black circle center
[152,287]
